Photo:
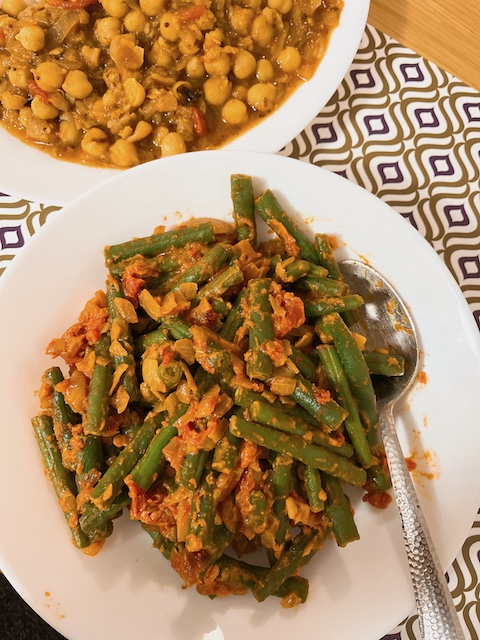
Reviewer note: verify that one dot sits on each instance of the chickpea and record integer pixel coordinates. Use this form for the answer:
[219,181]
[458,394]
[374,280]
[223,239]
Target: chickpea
[19,77]
[234,111]
[262,31]
[195,68]
[42,110]
[84,16]
[253,4]
[142,130]
[159,134]
[31,37]
[124,154]
[217,90]
[289,59]
[49,75]
[58,100]
[77,84]
[217,62]
[116,8]
[68,134]
[106,29]
[240,19]
[173,144]
[170,27]
[265,71]
[95,142]
[244,64]
[152,7]
[125,53]
[160,54]
[240,92]
[261,97]
[12,101]
[282,6]
[134,21]
[13,7]
[134,92]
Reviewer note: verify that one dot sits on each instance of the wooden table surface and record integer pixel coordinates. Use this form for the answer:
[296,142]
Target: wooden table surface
[446,32]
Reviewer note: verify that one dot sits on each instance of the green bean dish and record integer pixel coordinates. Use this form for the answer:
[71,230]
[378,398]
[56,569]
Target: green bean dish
[216,391]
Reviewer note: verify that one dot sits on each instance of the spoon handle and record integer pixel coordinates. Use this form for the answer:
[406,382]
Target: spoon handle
[437,615]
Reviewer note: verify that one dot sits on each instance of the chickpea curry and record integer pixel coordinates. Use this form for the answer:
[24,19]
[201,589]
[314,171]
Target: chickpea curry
[122,82]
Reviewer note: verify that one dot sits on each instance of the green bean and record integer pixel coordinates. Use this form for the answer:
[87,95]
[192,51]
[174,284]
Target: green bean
[98,401]
[325,256]
[292,271]
[353,425]
[324,306]
[110,484]
[257,313]
[178,327]
[89,461]
[378,477]
[226,452]
[313,488]
[322,286]
[94,520]
[159,242]
[280,483]
[234,319]
[162,264]
[258,510]
[296,242]
[338,509]
[304,364]
[219,285]
[356,369]
[273,415]
[240,576]
[302,549]
[129,377]
[202,516]
[205,267]
[62,479]
[160,542]
[384,364]
[221,308]
[299,449]
[146,469]
[192,468]
[325,410]
[149,339]
[241,189]
[63,418]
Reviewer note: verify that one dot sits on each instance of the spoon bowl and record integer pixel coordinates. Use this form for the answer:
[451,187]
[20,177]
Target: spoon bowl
[386,324]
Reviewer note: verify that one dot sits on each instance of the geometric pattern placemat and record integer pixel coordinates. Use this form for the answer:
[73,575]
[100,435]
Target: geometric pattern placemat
[409,133]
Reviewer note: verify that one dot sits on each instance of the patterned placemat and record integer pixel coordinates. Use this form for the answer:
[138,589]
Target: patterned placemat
[409,133]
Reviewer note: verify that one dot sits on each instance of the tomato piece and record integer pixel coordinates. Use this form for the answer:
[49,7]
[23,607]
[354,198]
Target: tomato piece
[36,91]
[199,122]
[191,13]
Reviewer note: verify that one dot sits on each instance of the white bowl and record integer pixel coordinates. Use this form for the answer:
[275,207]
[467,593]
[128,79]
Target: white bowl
[30,173]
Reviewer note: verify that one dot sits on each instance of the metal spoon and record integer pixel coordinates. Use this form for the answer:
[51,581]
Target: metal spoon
[386,323]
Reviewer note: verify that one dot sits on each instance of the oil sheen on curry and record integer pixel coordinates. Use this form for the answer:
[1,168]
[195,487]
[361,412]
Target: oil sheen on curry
[121,82]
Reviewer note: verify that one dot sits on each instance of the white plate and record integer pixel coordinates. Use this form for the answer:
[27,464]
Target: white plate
[34,175]
[129,590]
